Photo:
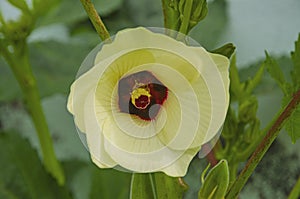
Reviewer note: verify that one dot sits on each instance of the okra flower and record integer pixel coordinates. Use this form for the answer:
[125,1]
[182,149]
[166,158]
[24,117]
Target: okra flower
[150,102]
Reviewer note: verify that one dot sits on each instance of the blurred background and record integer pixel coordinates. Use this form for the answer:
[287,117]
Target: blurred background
[64,36]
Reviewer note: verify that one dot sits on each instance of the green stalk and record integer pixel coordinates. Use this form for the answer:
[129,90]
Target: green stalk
[295,193]
[262,148]
[19,63]
[95,19]
[171,14]
[184,27]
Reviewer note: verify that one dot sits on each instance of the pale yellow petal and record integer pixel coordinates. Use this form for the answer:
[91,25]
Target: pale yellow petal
[188,72]
[180,167]
[94,136]
[84,84]
[222,63]
[143,162]
[217,91]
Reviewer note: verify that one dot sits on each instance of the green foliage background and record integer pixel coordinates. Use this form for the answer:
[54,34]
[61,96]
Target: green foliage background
[60,42]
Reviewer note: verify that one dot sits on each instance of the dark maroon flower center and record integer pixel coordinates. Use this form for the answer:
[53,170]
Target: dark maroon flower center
[141,94]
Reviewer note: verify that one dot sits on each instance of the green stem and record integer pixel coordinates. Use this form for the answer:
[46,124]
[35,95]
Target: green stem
[142,186]
[184,27]
[152,182]
[233,171]
[171,14]
[263,147]
[169,187]
[21,68]
[295,193]
[95,19]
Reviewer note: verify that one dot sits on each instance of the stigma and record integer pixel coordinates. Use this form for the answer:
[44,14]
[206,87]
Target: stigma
[140,97]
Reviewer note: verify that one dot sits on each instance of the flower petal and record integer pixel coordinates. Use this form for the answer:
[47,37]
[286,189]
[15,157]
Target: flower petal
[217,90]
[191,115]
[180,167]
[94,136]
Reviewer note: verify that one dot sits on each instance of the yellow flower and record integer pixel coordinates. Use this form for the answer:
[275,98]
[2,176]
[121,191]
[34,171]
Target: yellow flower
[150,102]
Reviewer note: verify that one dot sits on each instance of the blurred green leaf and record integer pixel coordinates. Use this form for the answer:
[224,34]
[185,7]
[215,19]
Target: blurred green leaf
[252,83]
[206,33]
[55,64]
[142,186]
[70,11]
[78,178]
[247,109]
[86,180]
[21,4]
[109,183]
[9,88]
[67,143]
[144,12]
[169,187]
[296,61]
[227,50]
[216,182]
[22,173]
[236,87]
[41,7]
[199,12]
[295,192]
[292,125]
[275,71]
[192,177]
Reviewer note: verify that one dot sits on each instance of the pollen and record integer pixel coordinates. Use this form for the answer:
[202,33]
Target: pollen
[140,97]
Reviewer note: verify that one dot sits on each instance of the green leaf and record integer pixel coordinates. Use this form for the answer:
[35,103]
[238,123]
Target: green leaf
[78,179]
[292,125]
[109,183]
[7,78]
[248,109]
[149,13]
[295,193]
[70,11]
[207,34]
[195,169]
[41,7]
[142,186]
[169,187]
[296,61]
[227,50]
[216,182]
[21,4]
[54,65]
[54,68]
[22,173]
[236,87]
[199,12]
[275,71]
[252,83]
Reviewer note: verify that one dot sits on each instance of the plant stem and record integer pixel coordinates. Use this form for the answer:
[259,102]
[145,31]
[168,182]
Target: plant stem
[295,193]
[263,147]
[171,14]
[184,27]
[19,63]
[95,19]
[211,155]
